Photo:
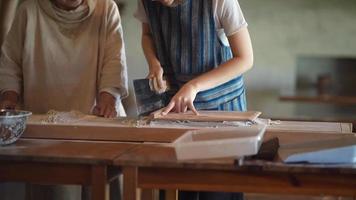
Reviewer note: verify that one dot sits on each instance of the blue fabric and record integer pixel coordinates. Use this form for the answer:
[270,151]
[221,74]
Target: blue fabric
[187,46]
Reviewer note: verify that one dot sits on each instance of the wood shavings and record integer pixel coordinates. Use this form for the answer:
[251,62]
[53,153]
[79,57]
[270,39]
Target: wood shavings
[57,117]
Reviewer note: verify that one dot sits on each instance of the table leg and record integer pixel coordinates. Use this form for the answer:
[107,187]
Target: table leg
[130,183]
[100,189]
[149,194]
[171,194]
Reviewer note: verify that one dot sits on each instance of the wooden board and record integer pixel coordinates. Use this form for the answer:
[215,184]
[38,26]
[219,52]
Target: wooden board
[162,134]
[209,116]
[300,126]
[101,133]
[219,143]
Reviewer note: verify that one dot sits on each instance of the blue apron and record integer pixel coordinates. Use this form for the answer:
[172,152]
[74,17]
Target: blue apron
[187,45]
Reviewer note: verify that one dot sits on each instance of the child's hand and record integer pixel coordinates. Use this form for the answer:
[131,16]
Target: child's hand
[183,100]
[157,83]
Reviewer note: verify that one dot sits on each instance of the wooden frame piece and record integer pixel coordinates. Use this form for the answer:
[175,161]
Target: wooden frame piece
[209,116]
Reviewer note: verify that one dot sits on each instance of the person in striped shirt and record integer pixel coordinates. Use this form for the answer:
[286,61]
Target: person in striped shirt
[202,48]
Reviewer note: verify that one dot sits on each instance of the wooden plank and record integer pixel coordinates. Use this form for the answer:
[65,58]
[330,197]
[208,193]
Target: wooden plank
[209,116]
[231,181]
[97,133]
[99,184]
[286,139]
[130,183]
[55,151]
[346,127]
[159,135]
[303,126]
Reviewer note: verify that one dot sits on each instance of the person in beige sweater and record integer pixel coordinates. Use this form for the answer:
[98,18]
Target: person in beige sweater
[65,55]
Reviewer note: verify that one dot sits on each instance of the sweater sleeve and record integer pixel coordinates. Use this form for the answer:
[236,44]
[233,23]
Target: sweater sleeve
[11,55]
[114,69]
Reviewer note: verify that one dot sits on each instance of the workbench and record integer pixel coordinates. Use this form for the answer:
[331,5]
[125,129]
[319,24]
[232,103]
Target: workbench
[87,156]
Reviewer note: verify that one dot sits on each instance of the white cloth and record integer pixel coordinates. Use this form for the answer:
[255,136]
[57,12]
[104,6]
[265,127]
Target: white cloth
[228,17]
[61,60]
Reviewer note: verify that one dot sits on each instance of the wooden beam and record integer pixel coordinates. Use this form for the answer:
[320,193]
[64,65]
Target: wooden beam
[251,182]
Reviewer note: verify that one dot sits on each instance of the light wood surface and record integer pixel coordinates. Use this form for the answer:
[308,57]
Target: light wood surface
[101,133]
[209,116]
[299,126]
[164,134]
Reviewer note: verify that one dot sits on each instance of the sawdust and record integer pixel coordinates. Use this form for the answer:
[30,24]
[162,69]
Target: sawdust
[57,117]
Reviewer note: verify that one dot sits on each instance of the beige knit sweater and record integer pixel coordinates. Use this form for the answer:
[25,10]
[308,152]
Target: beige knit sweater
[61,60]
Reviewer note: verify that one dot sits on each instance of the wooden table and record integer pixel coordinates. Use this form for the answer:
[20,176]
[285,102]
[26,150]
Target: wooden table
[61,162]
[312,95]
[156,167]
[84,156]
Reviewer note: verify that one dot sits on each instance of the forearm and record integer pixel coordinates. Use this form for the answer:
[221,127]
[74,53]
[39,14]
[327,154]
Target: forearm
[222,74]
[148,47]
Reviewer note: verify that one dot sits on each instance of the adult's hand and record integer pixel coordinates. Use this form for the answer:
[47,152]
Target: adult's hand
[9,100]
[183,100]
[106,106]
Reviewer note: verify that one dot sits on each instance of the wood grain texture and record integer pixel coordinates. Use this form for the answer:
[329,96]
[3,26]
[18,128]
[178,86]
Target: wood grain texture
[148,194]
[159,135]
[300,126]
[171,195]
[99,184]
[209,116]
[230,181]
[149,155]
[130,183]
[56,151]
[97,133]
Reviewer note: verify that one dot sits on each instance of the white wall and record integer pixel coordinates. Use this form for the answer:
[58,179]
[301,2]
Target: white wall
[283,29]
